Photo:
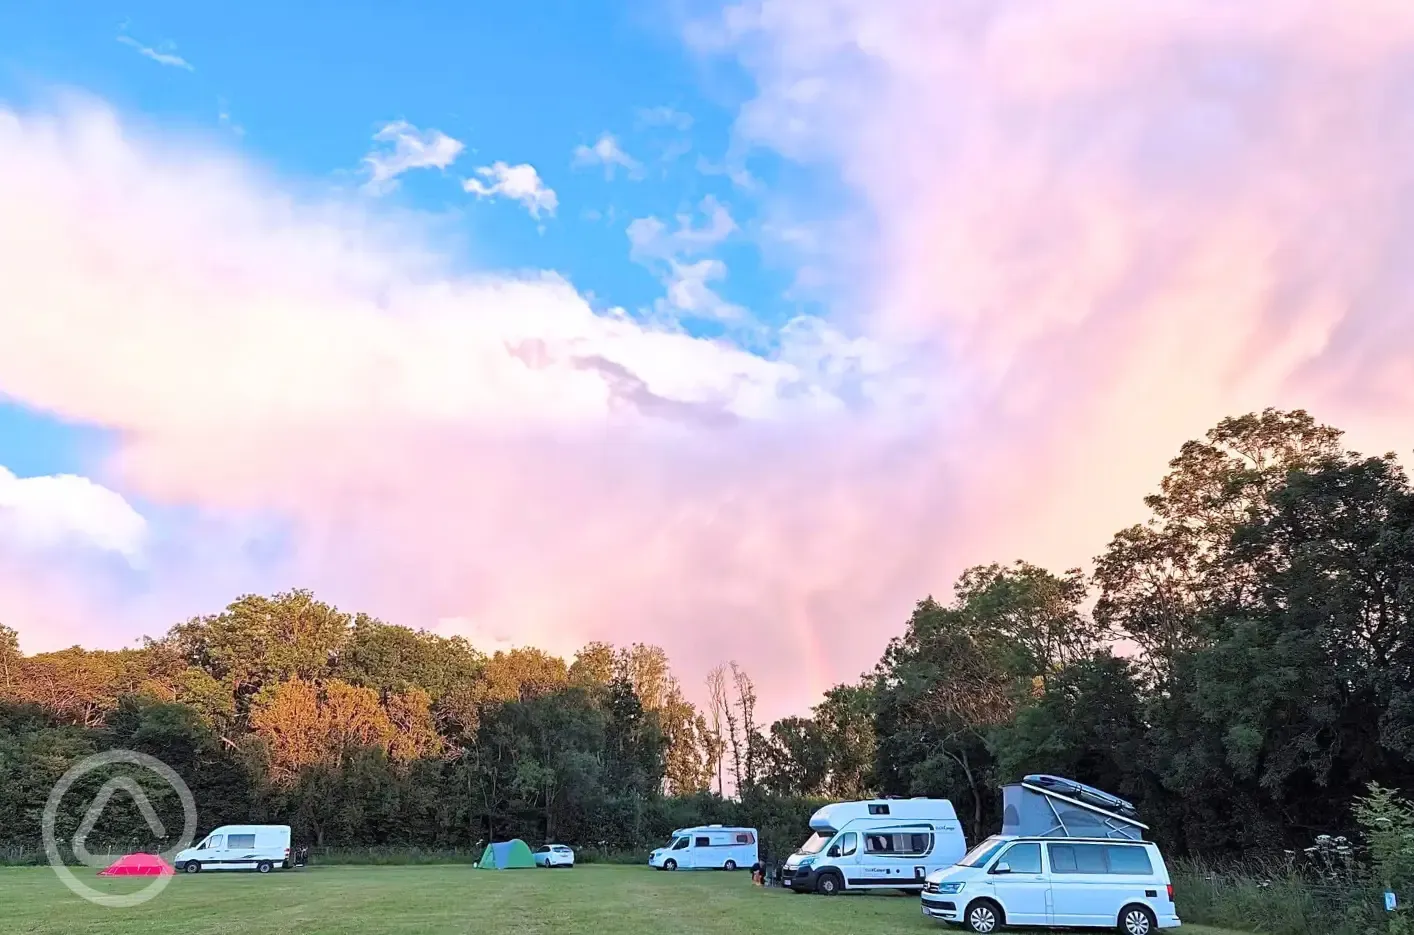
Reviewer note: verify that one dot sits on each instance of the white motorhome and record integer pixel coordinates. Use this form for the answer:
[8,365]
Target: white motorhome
[875,844]
[1069,855]
[707,847]
[261,848]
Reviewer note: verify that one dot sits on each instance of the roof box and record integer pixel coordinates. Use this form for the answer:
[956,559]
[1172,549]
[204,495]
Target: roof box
[1049,806]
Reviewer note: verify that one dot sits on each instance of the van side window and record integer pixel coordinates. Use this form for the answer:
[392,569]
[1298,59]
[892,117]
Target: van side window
[1078,858]
[1130,860]
[681,844]
[215,842]
[1022,858]
[849,844]
[743,839]
[898,844]
[240,841]
[702,842]
[875,809]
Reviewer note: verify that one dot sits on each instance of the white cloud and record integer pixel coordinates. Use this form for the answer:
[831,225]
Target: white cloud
[169,58]
[410,149]
[652,240]
[667,251]
[49,512]
[664,116]
[223,117]
[607,153]
[521,183]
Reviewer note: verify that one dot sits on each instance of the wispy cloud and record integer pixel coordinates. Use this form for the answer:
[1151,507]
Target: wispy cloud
[669,251]
[407,148]
[664,116]
[166,56]
[607,152]
[521,183]
[223,117]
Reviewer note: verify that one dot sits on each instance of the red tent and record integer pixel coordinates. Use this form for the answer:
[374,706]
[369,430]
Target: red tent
[138,865]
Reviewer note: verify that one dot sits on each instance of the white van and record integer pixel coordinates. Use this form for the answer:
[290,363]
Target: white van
[1079,882]
[1068,856]
[261,848]
[875,844]
[707,847]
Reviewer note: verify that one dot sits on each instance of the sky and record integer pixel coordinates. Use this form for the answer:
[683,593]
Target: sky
[736,328]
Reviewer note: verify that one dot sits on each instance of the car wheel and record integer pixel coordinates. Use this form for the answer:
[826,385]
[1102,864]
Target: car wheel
[983,917]
[193,866]
[729,865]
[1137,920]
[264,866]
[670,864]
[829,884]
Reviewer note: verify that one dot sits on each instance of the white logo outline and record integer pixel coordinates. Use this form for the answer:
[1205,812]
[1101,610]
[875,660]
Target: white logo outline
[95,809]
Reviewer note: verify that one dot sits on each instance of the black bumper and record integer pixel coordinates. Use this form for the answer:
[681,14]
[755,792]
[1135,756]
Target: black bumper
[801,878]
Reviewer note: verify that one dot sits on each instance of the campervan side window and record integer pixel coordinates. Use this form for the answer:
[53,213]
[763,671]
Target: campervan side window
[1129,860]
[237,842]
[849,844]
[898,844]
[681,844]
[743,839]
[1078,858]
[702,842]
[876,809]
[215,842]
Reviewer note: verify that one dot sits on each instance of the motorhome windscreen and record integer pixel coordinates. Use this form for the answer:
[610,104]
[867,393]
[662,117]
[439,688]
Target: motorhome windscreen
[815,843]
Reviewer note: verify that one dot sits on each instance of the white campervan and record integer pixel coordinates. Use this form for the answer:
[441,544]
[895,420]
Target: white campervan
[1069,855]
[708,847]
[876,844]
[261,848]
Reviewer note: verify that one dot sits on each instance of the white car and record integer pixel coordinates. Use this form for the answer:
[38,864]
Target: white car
[554,855]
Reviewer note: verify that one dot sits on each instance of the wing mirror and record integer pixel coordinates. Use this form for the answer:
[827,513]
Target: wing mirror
[833,852]
[1002,868]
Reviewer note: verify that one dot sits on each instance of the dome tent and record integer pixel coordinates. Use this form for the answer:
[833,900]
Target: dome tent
[507,855]
[138,865]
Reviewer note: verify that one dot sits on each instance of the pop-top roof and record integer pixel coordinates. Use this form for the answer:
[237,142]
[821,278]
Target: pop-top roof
[1049,806]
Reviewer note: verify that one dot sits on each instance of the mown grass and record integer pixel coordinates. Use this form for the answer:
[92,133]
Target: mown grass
[446,899]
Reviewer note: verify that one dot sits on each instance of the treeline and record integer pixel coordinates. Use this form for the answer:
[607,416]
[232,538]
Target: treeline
[1239,665]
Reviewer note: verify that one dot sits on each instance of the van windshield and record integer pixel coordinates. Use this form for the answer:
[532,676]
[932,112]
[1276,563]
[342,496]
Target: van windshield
[815,843]
[982,853]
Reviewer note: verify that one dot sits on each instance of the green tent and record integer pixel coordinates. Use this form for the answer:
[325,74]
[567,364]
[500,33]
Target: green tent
[507,855]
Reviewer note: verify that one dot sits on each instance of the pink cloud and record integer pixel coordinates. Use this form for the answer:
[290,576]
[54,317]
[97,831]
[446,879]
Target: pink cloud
[1101,226]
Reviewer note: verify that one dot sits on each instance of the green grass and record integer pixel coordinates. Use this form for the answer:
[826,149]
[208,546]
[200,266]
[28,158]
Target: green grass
[440,900]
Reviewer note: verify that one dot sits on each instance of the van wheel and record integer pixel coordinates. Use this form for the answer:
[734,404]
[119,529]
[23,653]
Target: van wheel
[193,866]
[729,865]
[1136,920]
[670,864]
[264,866]
[984,917]
[829,883]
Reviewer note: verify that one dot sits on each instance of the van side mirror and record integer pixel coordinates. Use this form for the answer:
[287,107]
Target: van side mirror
[833,852]
[1002,868]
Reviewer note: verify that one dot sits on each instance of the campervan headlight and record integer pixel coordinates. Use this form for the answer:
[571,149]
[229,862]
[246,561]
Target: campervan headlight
[950,889]
[805,862]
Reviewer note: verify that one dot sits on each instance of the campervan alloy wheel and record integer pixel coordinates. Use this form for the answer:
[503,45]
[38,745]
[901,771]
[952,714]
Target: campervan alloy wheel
[1136,920]
[264,866]
[729,865]
[670,864]
[828,883]
[984,917]
[193,867]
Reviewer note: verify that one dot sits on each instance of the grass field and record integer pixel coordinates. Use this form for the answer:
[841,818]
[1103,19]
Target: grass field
[440,900]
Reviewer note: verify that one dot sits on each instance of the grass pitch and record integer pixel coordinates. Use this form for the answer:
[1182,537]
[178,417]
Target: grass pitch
[442,900]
